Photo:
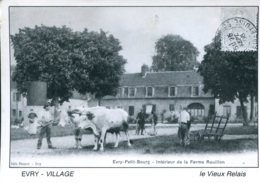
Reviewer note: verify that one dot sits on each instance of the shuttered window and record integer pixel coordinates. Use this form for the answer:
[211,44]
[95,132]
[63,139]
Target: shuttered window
[172,91]
[149,91]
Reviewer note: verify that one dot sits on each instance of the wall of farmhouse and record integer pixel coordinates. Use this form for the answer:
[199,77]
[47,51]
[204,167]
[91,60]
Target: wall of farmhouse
[140,91]
[161,104]
[162,91]
[234,109]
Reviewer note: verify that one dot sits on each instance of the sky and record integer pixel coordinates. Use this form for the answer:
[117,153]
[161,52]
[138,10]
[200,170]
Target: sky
[137,28]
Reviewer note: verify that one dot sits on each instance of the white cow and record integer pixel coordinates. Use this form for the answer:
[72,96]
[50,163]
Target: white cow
[106,120]
[102,120]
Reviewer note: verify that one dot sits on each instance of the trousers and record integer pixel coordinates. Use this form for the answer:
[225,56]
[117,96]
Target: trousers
[44,130]
[183,134]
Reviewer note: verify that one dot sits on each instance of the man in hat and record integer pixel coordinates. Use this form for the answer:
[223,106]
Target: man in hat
[45,122]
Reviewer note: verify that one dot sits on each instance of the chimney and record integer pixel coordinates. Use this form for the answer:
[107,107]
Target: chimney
[144,69]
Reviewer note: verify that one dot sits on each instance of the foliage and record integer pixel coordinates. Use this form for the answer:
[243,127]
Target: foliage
[173,53]
[104,65]
[67,61]
[229,75]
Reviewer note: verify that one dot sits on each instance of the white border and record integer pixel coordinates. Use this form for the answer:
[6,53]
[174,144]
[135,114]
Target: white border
[101,175]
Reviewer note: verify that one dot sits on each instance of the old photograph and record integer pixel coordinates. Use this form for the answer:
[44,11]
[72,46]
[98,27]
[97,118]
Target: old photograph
[133,86]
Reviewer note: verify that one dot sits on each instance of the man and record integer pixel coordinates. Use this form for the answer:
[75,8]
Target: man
[75,117]
[45,122]
[154,122]
[183,132]
[140,122]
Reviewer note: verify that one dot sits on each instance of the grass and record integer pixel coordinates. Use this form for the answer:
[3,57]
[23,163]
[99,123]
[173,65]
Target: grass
[241,130]
[164,145]
[171,145]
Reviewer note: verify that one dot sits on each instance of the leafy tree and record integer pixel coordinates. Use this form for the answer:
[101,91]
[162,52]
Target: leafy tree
[173,53]
[43,54]
[67,61]
[104,65]
[229,75]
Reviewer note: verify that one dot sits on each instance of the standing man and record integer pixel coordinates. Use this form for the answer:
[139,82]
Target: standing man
[45,123]
[183,132]
[154,122]
[140,121]
[75,117]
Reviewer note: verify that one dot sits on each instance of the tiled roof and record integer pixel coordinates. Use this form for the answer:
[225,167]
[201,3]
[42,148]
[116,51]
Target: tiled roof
[162,78]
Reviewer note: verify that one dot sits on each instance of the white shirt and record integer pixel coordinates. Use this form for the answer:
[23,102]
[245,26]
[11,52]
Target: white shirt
[46,118]
[184,117]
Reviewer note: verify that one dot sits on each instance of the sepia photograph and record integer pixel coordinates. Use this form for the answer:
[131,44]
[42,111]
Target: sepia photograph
[133,86]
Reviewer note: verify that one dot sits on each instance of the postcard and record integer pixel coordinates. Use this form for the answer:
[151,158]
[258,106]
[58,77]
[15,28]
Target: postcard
[143,86]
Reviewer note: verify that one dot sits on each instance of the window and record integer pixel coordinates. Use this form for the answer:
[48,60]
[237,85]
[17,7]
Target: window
[149,108]
[196,109]
[120,107]
[171,107]
[14,112]
[226,110]
[18,97]
[211,109]
[172,91]
[131,92]
[131,110]
[119,92]
[149,91]
[20,113]
[125,92]
[195,91]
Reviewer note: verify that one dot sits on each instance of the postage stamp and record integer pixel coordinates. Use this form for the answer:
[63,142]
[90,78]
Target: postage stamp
[238,34]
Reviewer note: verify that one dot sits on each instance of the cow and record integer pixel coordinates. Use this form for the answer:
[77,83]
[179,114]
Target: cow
[75,117]
[101,120]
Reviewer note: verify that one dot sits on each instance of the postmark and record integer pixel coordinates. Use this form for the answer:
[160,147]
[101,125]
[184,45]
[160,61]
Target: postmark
[238,34]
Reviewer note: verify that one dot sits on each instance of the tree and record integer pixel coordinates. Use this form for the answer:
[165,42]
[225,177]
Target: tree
[104,65]
[173,53]
[67,61]
[229,75]
[44,54]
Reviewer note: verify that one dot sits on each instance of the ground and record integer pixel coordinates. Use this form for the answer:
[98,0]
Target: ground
[236,139]
[238,148]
